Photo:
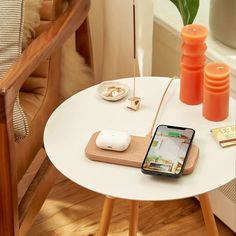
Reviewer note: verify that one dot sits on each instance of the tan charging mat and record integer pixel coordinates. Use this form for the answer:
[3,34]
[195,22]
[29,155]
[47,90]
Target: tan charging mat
[134,155]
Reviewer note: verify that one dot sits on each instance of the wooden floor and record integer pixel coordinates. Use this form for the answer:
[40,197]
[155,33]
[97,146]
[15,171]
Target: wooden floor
[73,210]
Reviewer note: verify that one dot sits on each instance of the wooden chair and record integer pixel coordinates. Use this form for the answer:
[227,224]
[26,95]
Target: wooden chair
[35,75]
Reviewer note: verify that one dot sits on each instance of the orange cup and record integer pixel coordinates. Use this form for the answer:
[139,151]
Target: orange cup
[216,91]
[192,63]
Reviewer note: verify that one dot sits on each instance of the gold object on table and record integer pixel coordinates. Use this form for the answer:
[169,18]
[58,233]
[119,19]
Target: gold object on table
[226,136]
[133,103]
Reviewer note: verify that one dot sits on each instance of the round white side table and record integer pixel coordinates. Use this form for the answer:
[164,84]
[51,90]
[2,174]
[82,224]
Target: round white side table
[71,125]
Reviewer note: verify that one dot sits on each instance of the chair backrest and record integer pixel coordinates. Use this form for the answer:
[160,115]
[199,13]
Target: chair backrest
[35,77]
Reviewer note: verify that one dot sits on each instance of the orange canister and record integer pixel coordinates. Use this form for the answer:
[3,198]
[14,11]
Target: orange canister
[192,63]
[216,90]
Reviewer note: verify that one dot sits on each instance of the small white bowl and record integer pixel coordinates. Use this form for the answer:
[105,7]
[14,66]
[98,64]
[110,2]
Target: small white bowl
[112,91]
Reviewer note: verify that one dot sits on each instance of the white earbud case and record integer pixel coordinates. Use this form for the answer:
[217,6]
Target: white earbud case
[113,140]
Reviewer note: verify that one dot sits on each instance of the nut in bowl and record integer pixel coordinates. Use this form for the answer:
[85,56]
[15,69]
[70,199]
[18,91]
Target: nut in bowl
[112,91]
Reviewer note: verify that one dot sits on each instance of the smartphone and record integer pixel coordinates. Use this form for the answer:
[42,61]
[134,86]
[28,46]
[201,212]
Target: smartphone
[168,151]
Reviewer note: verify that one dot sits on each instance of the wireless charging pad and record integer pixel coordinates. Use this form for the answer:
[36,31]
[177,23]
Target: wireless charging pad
[134,154]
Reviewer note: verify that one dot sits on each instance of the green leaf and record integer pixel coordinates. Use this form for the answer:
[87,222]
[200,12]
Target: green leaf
[188,9]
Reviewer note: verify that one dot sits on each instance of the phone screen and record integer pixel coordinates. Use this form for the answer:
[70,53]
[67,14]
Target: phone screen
[168,150]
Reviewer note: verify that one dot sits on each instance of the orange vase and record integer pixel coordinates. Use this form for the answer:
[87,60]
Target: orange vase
[192,63]
[216,91]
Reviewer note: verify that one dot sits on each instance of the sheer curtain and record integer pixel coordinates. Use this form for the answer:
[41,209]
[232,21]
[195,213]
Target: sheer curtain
[112,37]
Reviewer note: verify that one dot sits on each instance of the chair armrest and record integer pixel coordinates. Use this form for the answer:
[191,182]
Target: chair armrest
[44,45]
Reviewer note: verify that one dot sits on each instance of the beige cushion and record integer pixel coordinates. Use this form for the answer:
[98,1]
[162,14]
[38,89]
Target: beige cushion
[31,20]
[11,28]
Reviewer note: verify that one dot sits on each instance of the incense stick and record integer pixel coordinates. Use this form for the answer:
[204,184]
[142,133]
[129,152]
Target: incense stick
[134,49]
[134,102]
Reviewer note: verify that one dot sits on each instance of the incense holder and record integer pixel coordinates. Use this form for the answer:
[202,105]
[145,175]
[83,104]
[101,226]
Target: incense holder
[133,103]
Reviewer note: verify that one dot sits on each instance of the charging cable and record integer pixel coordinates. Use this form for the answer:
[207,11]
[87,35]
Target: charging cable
[149,134]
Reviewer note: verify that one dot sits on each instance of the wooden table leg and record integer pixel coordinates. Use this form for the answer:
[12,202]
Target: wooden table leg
[106,216]
[133,221]
[208,215]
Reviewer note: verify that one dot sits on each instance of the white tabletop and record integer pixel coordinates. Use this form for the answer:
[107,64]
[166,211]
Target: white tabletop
[69,129]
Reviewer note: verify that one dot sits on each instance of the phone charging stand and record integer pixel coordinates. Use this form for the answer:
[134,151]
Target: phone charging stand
[134,155]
